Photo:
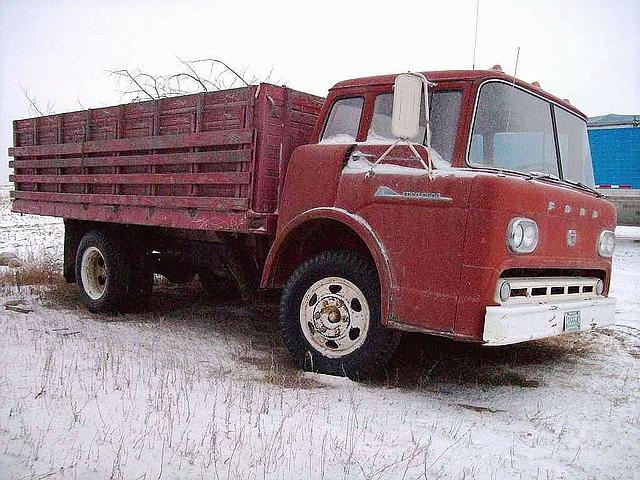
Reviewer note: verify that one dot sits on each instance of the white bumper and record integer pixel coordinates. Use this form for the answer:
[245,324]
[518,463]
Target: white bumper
[505,325]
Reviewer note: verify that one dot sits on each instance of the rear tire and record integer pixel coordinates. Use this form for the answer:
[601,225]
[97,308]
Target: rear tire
[330,317]
[103,273]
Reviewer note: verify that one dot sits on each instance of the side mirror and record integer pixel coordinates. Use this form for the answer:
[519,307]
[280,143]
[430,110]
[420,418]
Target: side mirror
[405,118]
[407,96]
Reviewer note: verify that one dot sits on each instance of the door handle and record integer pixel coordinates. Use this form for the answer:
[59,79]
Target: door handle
[358,154]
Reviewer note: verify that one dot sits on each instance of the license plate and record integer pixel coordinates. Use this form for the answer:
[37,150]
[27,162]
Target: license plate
[572,321]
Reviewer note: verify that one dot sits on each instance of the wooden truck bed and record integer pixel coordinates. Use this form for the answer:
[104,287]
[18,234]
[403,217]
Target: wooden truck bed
[209,161]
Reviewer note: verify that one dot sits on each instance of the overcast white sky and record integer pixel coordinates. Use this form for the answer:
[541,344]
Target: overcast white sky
[587,51]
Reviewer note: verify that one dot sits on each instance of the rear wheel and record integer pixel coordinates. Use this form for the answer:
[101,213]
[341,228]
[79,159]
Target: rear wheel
[330,316]
[102,273]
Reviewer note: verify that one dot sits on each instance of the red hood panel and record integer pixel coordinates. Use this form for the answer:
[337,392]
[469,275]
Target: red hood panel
[555,208]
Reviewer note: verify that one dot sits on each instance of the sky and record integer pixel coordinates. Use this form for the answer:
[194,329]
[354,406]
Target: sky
[59,52]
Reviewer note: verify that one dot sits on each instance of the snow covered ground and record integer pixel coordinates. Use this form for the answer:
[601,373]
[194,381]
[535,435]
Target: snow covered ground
[28,235]
[196,389]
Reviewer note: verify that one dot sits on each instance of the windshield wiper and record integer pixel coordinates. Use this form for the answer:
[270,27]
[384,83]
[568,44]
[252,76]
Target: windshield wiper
[586,187]
[551,176]
[541,175]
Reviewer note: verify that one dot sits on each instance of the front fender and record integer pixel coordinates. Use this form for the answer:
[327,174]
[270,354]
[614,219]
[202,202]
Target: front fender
[359,226]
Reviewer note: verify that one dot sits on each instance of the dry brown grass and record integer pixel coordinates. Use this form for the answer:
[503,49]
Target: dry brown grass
[41,277]
[424,362]
[45,270]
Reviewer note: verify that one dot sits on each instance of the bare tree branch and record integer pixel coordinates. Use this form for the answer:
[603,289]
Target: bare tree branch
[200,75]
[190,78]
[196,77]
[213,60]
[32,102]
[127,74]
[153,79]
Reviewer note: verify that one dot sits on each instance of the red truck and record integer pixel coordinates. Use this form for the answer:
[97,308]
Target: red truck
[454,203]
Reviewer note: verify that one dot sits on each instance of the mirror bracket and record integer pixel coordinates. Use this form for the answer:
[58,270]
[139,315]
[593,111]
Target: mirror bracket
[428,166]
[425,84]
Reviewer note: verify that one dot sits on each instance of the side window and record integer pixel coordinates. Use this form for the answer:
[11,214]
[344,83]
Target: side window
[380,129]
[444,111]
[344,120]
[573,144]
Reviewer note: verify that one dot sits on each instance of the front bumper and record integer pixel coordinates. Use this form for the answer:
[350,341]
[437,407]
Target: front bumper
[505,325]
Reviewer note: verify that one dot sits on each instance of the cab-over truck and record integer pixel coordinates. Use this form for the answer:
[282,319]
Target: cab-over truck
[454,203]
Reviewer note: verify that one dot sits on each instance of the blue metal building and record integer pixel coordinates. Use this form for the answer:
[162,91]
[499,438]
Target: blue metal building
[615,149]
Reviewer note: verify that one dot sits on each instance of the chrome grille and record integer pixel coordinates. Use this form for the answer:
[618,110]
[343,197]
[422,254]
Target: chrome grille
[547,289]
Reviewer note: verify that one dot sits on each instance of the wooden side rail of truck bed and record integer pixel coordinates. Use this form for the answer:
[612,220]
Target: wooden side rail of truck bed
[210,161]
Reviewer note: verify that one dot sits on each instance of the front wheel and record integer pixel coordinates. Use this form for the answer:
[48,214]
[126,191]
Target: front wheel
[330,316]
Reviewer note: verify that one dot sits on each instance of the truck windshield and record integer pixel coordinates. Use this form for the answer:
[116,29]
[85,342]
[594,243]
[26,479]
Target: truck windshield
[514,130]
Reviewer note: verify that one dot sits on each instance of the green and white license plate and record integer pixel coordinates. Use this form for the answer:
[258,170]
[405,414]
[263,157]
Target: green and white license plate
[572,321]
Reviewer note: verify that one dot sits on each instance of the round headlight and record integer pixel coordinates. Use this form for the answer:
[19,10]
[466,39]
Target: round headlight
[518,235]
[505,291]
[606,243]
[522,235]
[530,236]
[599,287]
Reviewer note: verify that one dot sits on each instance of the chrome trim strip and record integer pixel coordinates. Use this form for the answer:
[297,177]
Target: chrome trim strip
[386,192]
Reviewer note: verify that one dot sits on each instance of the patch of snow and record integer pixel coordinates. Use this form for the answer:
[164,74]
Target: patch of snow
[192,390]
[28,236]
[363,165]
[339,139]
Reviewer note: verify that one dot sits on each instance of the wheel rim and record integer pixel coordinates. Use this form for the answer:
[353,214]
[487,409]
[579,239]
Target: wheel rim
[334,316]
[93,271]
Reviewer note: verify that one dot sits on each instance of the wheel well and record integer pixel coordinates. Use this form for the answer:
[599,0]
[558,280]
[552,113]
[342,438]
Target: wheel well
[312,238]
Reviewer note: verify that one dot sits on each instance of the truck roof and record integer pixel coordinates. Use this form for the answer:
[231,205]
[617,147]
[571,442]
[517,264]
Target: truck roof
[454,75]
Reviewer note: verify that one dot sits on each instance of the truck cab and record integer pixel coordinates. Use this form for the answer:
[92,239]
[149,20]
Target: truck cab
[484,227]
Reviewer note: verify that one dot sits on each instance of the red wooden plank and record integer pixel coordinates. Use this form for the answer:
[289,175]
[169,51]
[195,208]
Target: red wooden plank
[223,156]
[172,218]
[220,178]
[205,203]
[200,139]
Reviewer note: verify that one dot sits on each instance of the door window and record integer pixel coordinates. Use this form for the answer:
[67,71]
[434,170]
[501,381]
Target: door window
[444,111]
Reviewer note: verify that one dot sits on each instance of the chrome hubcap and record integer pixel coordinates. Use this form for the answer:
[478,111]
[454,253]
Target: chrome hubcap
[334,316]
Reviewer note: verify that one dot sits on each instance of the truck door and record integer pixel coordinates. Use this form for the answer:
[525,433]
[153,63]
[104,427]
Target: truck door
[419,220]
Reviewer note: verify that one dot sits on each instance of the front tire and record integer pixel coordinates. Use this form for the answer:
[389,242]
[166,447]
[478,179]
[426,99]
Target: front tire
[330,316]
[102,273]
